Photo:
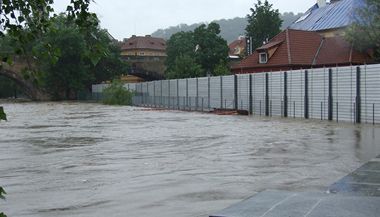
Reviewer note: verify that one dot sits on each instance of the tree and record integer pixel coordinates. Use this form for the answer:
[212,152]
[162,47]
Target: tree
[179,44]
[3,116]
[185,66]
[16,16]
[71,68]
[117,94]
[263,23]
[212,48]
[67,75]
[221,69]
[25,22]
[203,48]
[364,33]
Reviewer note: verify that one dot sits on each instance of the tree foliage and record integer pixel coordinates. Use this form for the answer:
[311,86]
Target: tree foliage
[8,88]
[70,52]
[264,23]
[34,15]
[203,48]
[70,64]
[364,33]
[117,94]
[2,192]
[72,67]
[3,116]
[185,66]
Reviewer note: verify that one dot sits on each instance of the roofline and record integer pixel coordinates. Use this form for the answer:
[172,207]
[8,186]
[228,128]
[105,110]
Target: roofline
[301,66]
[126,49]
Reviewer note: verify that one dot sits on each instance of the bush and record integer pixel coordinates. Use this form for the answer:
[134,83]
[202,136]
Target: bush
[116,94]
[3,116]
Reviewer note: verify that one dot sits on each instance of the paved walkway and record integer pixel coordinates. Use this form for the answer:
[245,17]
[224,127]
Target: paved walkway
[364,181]
[356,195]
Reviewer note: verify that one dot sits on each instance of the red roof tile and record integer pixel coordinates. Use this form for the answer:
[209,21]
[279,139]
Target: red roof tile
[147,43]
[237,47]
[304,49]
[269,45]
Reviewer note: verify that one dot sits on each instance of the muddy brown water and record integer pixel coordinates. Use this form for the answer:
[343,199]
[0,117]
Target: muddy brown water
[78,159]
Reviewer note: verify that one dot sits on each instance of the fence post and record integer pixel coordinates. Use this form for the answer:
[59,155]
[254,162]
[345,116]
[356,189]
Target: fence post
[358,95]
[161,94]
[266,94]
[236,101]
[250,95]
[178,94]
[306,100]
[168,94]
[196,102]
[154,93]
[187,93]
[330,97]
[221,92]
[286,94]
[147,95]
[208,92]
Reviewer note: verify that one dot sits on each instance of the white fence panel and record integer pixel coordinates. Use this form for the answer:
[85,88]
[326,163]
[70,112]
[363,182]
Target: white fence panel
[276,93]
[203,92]
[228,91]
[182,88]
[296,93]
[215,90]
[243,91]
[318,93]
[258,92]
[344,94]
[98,88]
[370,91]
[192,82]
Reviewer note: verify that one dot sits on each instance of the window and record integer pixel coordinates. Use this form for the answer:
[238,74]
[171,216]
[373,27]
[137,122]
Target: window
[302,18]
[263,58]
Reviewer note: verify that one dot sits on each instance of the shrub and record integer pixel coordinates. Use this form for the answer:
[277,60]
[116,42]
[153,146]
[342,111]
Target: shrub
[3,116]
[116,94]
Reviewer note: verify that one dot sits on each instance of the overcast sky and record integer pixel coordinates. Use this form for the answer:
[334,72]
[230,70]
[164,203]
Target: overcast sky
[124,18]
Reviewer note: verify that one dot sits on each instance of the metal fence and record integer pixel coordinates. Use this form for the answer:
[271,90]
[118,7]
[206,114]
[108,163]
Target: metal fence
[350,94]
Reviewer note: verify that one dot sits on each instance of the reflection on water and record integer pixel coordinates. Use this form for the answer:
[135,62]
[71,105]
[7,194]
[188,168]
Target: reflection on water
[69,159]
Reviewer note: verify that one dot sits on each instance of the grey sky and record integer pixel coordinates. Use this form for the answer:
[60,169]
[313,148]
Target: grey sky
[124,18]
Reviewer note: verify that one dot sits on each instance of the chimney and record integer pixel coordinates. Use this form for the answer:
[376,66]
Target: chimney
[321,3]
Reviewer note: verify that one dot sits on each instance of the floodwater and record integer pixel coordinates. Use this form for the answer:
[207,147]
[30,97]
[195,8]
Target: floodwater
[78,159]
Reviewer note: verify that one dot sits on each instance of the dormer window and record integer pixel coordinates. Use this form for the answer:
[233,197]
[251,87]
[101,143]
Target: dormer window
[263,58]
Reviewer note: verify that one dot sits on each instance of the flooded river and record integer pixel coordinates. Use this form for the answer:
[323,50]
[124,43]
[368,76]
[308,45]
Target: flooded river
[73,159]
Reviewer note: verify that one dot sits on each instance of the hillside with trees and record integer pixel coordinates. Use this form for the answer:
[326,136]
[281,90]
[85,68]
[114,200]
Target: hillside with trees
[230,29]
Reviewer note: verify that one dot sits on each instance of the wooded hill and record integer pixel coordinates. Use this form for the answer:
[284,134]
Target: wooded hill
[231,29]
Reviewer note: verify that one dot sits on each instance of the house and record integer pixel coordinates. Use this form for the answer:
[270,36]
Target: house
[146,56]
[298,49]
[329,19]
[237,48]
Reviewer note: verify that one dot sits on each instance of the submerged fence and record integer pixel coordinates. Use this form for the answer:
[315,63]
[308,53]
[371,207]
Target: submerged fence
[350,94]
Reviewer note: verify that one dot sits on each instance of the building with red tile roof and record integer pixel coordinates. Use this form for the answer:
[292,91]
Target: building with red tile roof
[144,46]
[238,47]
[297,49]
[145,54]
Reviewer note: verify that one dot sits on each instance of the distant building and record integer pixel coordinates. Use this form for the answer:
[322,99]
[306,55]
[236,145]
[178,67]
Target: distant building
[146,56]
[237,48]
[296,49]
[329,19]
